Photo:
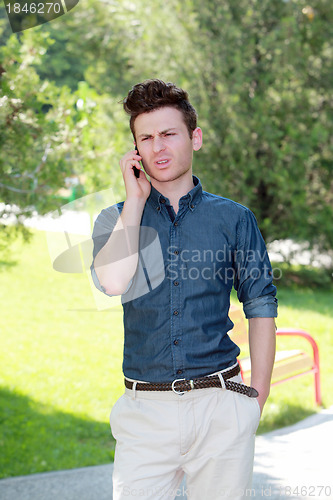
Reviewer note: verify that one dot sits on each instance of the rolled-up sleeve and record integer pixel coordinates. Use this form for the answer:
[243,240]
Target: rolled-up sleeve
[253,271]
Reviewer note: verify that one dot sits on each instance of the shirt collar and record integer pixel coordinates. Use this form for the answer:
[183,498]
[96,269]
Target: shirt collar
[192,198]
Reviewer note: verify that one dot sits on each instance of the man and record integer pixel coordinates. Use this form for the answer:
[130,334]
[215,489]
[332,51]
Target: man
[185,408]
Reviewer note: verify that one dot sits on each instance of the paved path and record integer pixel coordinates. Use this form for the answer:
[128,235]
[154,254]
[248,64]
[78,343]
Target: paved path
[294,457]
[291,463]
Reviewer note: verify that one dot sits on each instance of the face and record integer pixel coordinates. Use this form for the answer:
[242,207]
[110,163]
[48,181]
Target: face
[164,144]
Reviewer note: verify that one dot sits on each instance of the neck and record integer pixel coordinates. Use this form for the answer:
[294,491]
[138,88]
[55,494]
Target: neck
[175,189]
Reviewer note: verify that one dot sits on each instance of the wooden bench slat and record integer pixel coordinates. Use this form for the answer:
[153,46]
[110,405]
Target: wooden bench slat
[291,366]
[281,355]
[284,367]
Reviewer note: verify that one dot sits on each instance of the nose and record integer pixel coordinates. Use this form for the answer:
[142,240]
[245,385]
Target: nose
[158,144]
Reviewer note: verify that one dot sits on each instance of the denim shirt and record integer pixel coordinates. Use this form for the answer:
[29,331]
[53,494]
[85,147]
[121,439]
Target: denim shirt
[176,306]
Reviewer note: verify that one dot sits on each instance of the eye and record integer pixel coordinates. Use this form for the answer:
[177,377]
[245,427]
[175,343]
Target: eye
[170,133]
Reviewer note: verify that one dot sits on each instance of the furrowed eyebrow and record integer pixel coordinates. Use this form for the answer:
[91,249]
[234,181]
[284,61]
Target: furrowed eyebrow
[166,131]
[160,133]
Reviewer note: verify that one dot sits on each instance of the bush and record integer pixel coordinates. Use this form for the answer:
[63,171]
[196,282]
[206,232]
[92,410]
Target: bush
[301,276]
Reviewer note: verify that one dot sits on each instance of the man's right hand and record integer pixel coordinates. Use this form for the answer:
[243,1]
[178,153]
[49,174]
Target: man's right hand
[116,262]
[136,187]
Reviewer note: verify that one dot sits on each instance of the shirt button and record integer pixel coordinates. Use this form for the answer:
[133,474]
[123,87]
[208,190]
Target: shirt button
[176,283]
[175,342]
[176,223]
[158,209]
[192,206]
[176,252]
[175,313]
[162,200]
[179,372]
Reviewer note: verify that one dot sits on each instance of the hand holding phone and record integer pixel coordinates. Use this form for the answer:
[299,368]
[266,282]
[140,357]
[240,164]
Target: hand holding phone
[136,183]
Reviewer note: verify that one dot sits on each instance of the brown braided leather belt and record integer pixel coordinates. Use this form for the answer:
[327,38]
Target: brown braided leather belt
[180,386]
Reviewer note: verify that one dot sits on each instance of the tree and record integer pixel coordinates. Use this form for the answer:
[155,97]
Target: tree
[258,72]
[47,133]
[267,74]
[35,134]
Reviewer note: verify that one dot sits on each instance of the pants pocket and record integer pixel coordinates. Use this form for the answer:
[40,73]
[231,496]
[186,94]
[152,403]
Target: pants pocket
[255,414]
[115,412]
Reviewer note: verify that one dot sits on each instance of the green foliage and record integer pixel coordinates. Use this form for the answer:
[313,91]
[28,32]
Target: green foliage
[301,276]
[258,72]
[47,133]
[8,235]
[36,128]
[268,112]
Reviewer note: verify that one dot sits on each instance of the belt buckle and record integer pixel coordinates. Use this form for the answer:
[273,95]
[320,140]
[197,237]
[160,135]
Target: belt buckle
[180,393]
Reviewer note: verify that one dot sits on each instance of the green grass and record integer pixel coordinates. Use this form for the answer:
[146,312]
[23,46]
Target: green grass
[61,362]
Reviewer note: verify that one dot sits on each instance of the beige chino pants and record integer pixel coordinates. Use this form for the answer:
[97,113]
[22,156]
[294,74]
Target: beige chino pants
[208,434]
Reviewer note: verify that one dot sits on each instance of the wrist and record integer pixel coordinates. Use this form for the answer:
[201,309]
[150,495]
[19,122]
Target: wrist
[264,393]
[262,388]
[134,206]
[135,202]
[131,214]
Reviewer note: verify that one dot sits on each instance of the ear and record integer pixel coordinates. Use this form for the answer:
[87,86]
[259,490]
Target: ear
[197,139]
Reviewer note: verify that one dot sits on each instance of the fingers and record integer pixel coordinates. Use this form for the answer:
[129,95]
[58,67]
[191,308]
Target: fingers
[129,160]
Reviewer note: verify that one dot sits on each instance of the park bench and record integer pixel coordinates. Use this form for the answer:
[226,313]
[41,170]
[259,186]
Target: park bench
[288,364]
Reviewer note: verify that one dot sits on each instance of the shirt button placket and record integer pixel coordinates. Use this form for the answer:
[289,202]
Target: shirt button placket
[175,284]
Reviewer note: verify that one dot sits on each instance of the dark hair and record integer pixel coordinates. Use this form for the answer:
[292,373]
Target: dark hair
[155,94]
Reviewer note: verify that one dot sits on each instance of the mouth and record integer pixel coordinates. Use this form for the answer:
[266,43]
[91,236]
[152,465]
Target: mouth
[162,163]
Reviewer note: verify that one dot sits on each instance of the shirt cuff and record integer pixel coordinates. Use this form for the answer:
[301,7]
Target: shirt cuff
[261,307]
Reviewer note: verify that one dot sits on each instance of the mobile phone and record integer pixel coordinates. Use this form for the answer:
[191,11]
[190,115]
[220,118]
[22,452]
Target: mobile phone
[136,170]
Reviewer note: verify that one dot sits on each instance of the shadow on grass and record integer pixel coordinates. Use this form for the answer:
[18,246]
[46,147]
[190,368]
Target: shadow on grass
[37,438]
[283,417]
